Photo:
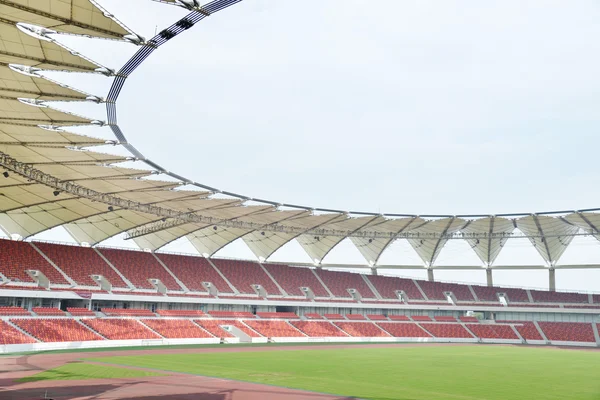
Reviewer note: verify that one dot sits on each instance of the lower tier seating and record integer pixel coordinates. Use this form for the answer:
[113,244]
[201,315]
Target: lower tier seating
[176,328]
[274,328]
[401,329]
[120,329]
[526,329]
[361,329]
[10,335]
[447,330]
[80,312]
[487,331]
[318,329]
[49,311]
[56,330]
[568,331]
[214,326]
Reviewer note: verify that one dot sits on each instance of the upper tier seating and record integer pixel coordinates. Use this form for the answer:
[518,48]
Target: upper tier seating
[138,267]
[444,318]
[568,331]
[282,315]
[420,318]
[408,330]
[230,314]
[49,311]
[181,313]
[10,335]
[543,296]
[376,317]
[176,328]
[16,257]
[435,290]
[292,278]
[14,311]
[313,316]
[333,316]
[339,283]
[120,329]
[488,331]
[214,327]
[80,312]
[81,262]
[56,330]
[465,318]
[386,286]
[526,329]
[274,328]
[192,271]
[399,317]
[319,329]
[447,330]
[243,274]
[487,293]
[132,312]
[355,317]
[361,329]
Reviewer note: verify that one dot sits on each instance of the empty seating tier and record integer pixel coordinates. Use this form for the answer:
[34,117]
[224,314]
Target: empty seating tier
[230,314]
[319,329]
[361,329]
[80,312]
[465,318]
[526,329]
[274,328]
[181,313]
[14,311]
[543,296]
[447,330]
[214,326]
[282,315]
[120,329]
[79,263]
[16,257]
[568,331]
[399,317]
[387,286]
[10,335]
[489,331]
[420,318]
[131,312]
[376,317]
[243,274]
[56,330]
[407,330]
[176,328]
[138,267]
[339,283]
[355,317]
[490,293]
[192,271]
[435,290]
[291,279]
[48,311]
[334,316]
[444,318]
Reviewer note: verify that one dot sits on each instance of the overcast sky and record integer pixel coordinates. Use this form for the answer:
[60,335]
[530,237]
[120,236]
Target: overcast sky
[423,107]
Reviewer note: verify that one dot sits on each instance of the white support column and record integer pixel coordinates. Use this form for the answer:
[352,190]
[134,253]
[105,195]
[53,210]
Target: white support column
[552,279]
[430,274]
[489,277]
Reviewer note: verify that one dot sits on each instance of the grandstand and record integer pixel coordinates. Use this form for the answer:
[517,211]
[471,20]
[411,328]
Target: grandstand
[56,295]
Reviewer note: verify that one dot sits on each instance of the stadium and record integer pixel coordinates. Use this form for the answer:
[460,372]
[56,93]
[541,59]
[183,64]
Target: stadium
[86,319]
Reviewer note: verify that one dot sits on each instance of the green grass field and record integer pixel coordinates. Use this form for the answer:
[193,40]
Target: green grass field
[82,371]
[403,373]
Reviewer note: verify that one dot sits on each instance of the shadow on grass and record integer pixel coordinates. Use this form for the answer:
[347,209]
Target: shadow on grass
[53,375]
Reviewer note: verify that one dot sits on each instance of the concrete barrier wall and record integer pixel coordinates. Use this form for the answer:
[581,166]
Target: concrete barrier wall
[33,347]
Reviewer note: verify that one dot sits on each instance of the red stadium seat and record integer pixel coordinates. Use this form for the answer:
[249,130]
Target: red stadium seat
[447,330]
[435,290]
[10,335]
[568,331]
[230,314]
[56,330]
[282,315]
[48,311]
[176,328]
[526,329]
[120,329]
[403,330]
[181,313]
[243,274]
[313,316]
[492,331]
[355,317]
[274,328]
[387,286]
[192,271]
[214,326]
[80,312]
[16,257]
[361,329]
[292,278]
[339,283]
[132,312]
[319,329]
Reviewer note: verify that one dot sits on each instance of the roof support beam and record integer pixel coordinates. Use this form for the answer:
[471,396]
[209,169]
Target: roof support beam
[543,238]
